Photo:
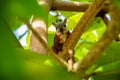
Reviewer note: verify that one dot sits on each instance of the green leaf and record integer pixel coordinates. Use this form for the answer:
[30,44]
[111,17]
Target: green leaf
[68,14]
[110,55]
[26,8]
[27,40]
[109,72]
[10,64]
[22,9]
[8,38]
[108,75]
[83,0]
[50,38]
[73,20]
[117,2]
[114,65]
[38,66]
[95,24]
[51,19]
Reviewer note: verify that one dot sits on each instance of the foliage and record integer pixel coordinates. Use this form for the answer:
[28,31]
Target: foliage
[22,64]
[83,0]
[117,3]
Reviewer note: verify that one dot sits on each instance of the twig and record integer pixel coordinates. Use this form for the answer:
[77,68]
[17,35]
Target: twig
[112,31]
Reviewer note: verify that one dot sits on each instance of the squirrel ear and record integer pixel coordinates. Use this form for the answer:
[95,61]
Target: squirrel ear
[65,20]
[54,24]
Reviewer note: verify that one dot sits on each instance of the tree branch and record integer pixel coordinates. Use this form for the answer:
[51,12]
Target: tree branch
[90,13]
[111,33]
[73,6]
[41,28]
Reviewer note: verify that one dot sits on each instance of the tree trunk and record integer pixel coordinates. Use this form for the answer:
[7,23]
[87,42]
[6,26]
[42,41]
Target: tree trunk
[40,27]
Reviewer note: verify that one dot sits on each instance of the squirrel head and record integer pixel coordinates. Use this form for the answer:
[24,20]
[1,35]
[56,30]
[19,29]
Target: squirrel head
[61,27]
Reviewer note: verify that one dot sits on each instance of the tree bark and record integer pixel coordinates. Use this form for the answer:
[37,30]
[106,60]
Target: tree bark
[40,26]
[73,6]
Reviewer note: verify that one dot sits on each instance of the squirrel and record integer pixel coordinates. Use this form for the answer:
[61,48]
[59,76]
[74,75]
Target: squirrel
[61,35]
